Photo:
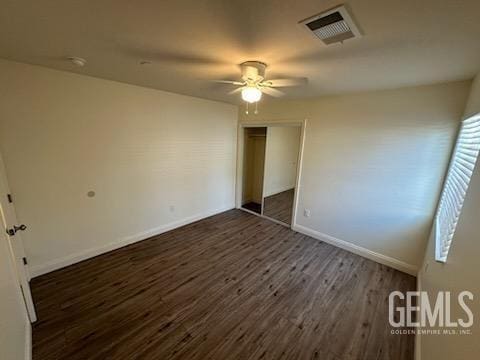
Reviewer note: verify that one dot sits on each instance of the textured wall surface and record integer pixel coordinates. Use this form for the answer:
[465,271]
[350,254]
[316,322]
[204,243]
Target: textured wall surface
[374,163]
[154,160]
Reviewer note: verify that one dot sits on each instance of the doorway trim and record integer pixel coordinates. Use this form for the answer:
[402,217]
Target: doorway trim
[8,218]
[240,153]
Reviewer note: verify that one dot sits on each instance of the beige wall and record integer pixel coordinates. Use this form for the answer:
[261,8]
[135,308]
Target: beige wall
[473,104]
[373,165]
[461,271]
[281,157]
[155,160]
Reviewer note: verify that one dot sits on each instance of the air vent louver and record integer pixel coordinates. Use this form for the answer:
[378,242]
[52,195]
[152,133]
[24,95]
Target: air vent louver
[333,26]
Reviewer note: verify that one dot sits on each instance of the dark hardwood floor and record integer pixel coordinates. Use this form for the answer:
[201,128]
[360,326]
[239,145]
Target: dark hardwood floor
[279,206]
[232,286]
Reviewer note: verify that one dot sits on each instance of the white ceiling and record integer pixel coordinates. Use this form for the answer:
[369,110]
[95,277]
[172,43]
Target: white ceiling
[405,42]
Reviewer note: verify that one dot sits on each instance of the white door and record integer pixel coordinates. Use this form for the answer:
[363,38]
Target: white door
[14,332]
[13,230]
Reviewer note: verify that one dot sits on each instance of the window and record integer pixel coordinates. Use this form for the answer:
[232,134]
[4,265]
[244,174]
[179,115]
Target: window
[456,184]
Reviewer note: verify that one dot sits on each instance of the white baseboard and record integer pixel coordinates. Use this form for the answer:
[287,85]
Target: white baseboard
[380,258]
[89,253]
[28,340]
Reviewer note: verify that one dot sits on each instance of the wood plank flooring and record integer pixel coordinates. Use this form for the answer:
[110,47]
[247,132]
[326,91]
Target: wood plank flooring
[280,206]
[232,286]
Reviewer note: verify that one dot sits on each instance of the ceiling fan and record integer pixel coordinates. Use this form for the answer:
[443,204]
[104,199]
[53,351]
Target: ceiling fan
[254,83]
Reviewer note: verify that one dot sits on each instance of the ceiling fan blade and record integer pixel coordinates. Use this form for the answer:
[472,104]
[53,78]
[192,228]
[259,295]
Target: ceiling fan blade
[237,90]
[231,82]
[286,82]
[272,92]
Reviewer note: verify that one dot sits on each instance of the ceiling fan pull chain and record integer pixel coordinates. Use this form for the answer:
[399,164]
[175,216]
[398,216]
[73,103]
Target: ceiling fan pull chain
[246,112]
[256,108]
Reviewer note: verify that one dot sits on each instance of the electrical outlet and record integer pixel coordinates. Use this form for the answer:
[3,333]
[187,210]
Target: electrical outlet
[306,212]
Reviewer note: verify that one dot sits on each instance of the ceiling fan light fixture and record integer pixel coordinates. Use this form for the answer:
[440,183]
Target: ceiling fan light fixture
[251,94]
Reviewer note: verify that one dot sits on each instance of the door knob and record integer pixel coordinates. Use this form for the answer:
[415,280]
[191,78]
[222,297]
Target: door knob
[16,228]
[22,227]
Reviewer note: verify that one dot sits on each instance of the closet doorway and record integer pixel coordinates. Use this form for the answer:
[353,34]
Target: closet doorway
[254,167]
[271,156]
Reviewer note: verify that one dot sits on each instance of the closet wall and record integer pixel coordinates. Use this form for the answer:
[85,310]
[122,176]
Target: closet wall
[255,141]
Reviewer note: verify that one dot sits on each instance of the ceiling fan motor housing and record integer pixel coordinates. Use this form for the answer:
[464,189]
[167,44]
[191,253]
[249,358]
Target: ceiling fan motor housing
[253,71]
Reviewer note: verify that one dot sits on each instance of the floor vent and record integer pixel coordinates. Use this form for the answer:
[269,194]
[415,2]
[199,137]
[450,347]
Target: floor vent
[332,26]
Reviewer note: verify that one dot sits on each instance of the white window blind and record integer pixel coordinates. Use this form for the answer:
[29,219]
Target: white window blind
[456,184]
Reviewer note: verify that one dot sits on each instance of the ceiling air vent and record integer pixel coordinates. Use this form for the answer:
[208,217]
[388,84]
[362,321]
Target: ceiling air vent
[332,26]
